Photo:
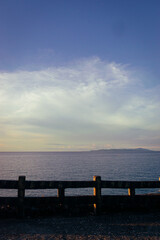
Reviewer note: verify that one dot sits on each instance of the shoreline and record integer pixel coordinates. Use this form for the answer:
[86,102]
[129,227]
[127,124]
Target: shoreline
[125,225]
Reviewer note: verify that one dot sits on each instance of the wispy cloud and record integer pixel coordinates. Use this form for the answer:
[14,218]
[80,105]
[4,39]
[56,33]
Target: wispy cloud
[87,103]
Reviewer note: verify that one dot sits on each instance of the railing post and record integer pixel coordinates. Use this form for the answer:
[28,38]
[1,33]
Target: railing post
[61,195]
[131,191]
[97,194]
[21,195]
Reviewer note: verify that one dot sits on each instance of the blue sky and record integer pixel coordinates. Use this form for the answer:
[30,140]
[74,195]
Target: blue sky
[79,74]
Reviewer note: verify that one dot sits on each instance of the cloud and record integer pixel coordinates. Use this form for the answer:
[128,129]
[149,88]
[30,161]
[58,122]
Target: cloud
[89,101]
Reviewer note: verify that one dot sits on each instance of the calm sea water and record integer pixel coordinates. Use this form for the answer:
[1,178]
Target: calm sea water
[79,166]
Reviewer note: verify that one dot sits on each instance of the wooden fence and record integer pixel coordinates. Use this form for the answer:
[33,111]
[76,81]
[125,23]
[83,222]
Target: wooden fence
[97,200]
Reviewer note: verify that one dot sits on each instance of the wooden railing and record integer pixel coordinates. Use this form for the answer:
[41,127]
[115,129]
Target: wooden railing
[97,199]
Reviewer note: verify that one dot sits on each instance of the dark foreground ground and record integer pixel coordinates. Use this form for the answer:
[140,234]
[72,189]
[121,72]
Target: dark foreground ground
[112,226]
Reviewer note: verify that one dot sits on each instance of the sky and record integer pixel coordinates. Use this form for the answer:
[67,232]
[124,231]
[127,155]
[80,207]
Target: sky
[79,75]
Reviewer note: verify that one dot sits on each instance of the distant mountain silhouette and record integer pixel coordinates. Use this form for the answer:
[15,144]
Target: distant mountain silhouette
[138,150]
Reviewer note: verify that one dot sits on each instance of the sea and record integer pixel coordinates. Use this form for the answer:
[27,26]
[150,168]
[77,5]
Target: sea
[129,165]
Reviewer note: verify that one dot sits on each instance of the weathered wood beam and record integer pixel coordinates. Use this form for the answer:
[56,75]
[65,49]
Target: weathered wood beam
[130,184]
